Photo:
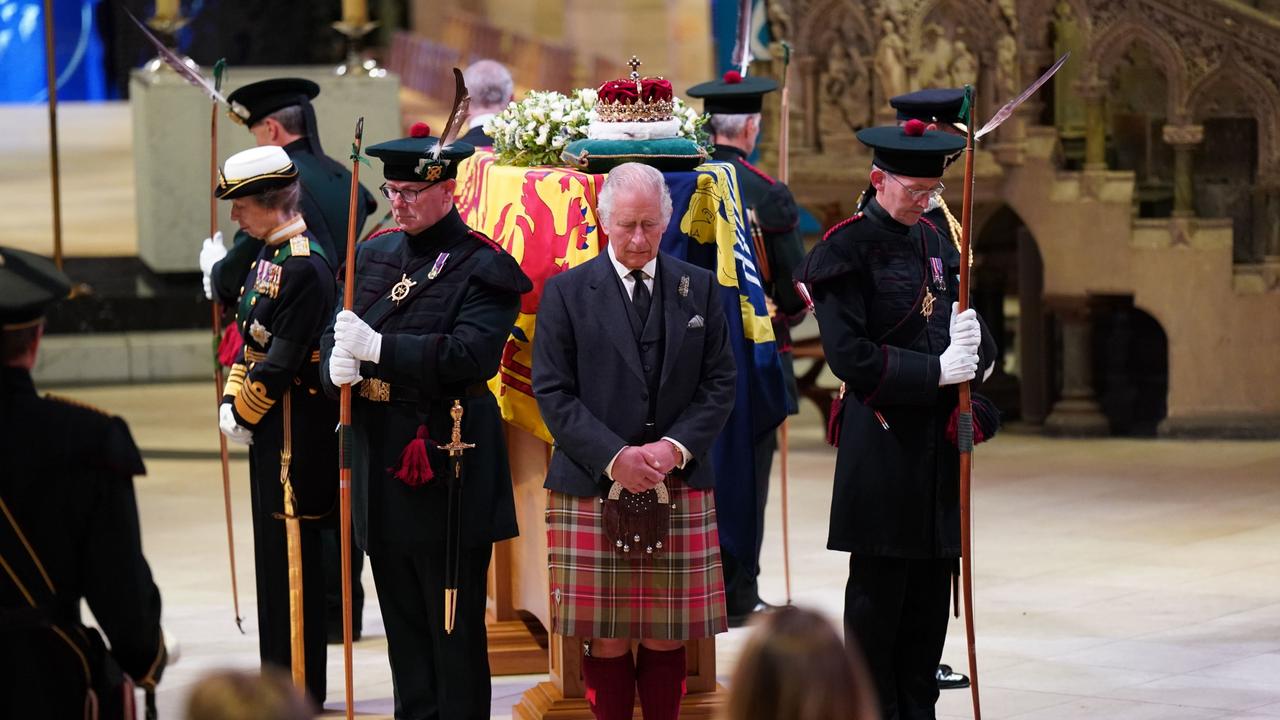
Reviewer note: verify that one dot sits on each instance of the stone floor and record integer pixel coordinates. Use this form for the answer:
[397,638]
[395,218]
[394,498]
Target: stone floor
[1114,579]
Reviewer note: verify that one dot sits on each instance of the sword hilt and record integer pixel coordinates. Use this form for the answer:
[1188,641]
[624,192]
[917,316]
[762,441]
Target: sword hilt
[455,446]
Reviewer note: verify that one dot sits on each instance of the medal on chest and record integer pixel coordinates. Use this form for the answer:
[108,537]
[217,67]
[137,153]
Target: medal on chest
[926,306]
[400,290]
[267,281]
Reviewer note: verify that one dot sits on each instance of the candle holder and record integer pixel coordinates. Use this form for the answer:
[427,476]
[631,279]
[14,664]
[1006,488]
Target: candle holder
[356,64]
[166,29]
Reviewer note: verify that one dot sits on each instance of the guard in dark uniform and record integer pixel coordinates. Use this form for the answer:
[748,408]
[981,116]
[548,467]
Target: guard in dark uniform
[68,530]
[941,109]
[883,284]
[280,113]
[274,403]
[434,304]
[734,104]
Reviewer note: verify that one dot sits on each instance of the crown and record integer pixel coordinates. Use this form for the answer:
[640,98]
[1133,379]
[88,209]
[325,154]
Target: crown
[635,99]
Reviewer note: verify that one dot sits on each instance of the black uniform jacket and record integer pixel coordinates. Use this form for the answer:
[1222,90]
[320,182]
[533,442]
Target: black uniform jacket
[67,484]
[285,303]
[442,342]
[325,190]
[896,487]
[589,371]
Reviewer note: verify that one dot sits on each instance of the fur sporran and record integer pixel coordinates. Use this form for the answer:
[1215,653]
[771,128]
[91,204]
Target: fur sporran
[637,524]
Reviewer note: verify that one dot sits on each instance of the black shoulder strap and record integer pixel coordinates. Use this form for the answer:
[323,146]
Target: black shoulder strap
[384,306]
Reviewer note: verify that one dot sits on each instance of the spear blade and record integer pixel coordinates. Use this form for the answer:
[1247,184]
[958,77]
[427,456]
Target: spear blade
[1013,104]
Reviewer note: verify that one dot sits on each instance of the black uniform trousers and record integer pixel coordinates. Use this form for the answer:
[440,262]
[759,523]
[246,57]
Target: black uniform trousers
[271,572]
[741,574]
[895,609]
[435,675]
[333,584]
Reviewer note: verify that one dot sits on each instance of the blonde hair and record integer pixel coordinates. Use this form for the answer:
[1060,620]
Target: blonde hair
[246,695]
[795,667]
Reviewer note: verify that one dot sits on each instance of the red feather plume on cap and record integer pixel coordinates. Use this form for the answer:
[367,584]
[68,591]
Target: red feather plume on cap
[733,77]
[420,130]
[914,128]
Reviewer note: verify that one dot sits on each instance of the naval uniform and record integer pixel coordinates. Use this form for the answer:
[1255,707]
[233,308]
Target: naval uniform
[287,297]
[69,530]
[896,506]
[441,342]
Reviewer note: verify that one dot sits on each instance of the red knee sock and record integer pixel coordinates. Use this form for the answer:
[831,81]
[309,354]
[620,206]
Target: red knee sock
[611,686]
[660,676]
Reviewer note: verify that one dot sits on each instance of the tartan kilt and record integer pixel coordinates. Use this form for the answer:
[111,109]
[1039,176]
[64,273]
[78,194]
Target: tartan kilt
[597,592]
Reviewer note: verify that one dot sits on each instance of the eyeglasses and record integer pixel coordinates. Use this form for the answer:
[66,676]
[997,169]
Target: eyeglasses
[408,195]
[918,195]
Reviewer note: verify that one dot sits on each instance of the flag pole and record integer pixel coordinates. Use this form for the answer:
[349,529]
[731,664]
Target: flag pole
[51,68]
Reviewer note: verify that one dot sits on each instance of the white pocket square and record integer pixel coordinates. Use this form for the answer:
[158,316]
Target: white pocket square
[696,322]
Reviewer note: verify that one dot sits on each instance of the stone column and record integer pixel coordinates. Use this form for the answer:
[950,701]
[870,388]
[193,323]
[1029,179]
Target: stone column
[1077,413]
[1183,139]
[1093,91]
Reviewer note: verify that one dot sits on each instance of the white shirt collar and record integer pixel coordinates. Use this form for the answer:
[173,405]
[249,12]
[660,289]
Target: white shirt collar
[650,268]
[478,121]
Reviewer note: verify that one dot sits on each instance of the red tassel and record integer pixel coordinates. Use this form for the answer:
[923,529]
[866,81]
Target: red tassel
[834,421]
[229,346]
[415,467]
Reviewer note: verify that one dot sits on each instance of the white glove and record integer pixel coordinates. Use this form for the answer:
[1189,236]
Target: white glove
[354,335]
[230,428]
[210,253]
[965,329]
[343,369]
[959,364]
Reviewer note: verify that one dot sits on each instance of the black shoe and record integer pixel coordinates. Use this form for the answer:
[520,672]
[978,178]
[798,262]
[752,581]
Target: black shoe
[948,679]
[738,620]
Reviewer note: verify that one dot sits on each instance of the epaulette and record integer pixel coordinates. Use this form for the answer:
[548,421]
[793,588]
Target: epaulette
[78,404]
[383,231]
[299,246]
[847,221]
[757,171]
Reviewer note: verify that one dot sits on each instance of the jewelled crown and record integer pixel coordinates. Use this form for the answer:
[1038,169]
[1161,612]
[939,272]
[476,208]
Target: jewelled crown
[635,99]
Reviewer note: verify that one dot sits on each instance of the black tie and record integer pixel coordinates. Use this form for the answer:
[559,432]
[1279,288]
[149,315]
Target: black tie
[641,296]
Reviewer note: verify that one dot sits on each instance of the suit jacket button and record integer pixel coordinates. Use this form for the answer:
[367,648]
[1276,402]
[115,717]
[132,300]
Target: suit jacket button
[644,396]
[647,368]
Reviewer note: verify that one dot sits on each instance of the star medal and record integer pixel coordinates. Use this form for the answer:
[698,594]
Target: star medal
[259,333]
[438,266]
[926,307]
[401,289]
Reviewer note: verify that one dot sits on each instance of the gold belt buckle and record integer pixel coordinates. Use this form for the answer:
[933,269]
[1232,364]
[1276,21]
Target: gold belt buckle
[375,390]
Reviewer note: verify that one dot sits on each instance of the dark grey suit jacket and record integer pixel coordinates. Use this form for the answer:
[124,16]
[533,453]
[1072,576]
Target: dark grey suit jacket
[590,386]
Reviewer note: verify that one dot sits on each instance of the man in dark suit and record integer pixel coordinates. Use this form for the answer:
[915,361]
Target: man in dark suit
[280,114]
[491,88]
[68,531]
[635,379]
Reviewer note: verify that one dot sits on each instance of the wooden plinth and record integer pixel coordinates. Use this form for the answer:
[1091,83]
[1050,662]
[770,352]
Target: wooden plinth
[514,649]
[545,702]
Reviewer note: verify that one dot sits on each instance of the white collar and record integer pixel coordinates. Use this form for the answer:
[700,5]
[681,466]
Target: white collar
[288,229]
[650,268]
[478,121]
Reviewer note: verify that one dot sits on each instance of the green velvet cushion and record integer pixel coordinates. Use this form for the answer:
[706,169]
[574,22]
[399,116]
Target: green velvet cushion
[600,156]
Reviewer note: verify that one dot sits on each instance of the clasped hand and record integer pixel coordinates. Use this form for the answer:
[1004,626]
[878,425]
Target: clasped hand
[641,467]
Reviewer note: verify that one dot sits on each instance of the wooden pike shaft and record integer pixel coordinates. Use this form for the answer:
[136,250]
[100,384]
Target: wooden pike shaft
[966,419]
[51,69]
[784,174]
[344,428]
[216,322]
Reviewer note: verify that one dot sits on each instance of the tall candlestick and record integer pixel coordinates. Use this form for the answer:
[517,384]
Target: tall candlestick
[167,9]
[355,12]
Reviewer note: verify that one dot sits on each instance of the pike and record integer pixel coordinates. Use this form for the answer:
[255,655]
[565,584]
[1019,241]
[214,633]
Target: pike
[964,420]
[784,174]
[214,92]
[344,424]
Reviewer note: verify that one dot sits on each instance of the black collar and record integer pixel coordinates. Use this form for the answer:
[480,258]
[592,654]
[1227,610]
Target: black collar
[728,152]
[16,382]
[301,145]
[876,212]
